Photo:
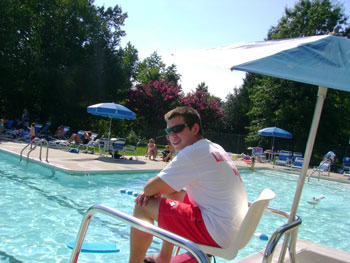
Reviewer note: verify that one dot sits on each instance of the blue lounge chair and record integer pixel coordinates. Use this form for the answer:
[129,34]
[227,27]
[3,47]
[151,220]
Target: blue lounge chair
[284,158]
[298,163]
[258,152]
[297,155]
[346,164]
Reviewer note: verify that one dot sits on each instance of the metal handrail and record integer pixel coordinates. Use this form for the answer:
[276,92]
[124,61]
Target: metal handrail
[136,223]
[25,147]
[276,236]
[36,140]
[182,242]
[47,149]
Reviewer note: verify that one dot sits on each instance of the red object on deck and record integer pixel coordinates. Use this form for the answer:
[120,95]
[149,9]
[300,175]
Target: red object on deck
[183,258]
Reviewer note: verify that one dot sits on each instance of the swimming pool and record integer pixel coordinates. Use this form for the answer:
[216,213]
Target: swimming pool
[42,211]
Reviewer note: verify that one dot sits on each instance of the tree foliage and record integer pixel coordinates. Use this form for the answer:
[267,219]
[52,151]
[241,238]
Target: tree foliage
[309,18]
[287,104]
[153,68]
[57,57]
[208,106]
[150,102]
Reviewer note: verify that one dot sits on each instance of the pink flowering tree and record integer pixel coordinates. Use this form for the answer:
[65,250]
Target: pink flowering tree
[208,106]
[150,102]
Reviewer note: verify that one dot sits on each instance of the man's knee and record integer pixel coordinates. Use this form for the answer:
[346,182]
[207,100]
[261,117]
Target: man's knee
[148,211]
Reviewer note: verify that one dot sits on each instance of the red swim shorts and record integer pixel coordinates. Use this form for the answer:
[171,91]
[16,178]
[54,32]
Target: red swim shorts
[184,219]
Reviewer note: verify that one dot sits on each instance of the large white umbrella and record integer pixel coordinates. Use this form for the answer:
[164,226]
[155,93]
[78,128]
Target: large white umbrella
[319,60]
[112,111]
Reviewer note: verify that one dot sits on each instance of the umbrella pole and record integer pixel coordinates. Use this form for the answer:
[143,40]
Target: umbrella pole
[110,126]
[321,95]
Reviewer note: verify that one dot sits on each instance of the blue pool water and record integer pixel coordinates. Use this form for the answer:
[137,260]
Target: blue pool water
[41,211]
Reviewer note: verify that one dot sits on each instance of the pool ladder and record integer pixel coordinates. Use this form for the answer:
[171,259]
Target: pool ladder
[186,244]
[33,144]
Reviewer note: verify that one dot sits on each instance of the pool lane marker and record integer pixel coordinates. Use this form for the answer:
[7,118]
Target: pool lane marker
[129,192]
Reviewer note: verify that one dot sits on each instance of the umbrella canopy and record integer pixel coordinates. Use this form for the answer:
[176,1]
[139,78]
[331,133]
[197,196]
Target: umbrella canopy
[275,132]
[112,111]
[320,60]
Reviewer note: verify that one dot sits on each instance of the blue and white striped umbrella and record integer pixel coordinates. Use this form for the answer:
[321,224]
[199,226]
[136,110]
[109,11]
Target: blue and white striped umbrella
[112,111]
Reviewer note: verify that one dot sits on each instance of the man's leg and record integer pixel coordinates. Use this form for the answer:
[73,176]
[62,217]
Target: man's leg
[167,247]
[141,241]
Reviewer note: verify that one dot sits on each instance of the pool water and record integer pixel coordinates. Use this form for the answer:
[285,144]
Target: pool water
[41,211]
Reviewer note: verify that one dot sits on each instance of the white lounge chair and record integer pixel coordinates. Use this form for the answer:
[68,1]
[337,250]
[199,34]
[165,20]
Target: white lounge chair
[246,230]
[91,144]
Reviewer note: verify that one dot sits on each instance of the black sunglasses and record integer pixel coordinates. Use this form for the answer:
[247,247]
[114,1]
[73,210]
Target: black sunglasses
[176,128]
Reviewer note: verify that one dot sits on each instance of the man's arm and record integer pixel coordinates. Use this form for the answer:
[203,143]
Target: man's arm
[157,187]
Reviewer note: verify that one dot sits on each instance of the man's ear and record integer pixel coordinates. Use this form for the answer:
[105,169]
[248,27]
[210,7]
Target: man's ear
[195,128]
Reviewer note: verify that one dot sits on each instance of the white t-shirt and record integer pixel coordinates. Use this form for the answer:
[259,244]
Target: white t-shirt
[213,183]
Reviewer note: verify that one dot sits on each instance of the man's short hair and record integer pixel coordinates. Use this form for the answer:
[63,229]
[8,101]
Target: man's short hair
[190,116]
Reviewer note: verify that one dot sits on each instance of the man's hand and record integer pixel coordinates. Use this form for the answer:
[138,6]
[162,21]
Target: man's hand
[142,198]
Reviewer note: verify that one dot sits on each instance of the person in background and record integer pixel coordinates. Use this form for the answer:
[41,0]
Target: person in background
[167,154]
[60,132]
[151,149]
[199,195]
[77,140]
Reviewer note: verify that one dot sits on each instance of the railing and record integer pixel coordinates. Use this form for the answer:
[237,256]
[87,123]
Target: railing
[276,236]
[35,142]
[136,223]
[182,242]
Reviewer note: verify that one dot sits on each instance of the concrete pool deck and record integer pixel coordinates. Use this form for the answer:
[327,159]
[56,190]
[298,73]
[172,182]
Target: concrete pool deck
[82,163]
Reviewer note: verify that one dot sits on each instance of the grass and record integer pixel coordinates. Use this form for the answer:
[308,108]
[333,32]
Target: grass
[140,151]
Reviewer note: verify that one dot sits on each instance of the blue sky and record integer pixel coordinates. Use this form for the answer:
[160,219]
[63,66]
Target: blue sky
[175,27]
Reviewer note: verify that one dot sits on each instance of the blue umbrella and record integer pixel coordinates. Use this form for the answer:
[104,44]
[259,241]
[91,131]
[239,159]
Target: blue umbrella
[111,110]
[275,132]
[319,60]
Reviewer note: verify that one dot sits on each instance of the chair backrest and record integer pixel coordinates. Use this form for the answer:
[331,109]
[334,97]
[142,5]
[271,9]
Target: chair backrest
[246,231]
[298,161]
[80,133]
[285,155]
[9,124]
[258,150]
[45,128]
[346,161]
[297,155]
[93,137]
[38,127]
[119,144]
[252,218]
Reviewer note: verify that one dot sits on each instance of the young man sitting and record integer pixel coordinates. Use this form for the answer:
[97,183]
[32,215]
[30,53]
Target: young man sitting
[212,206]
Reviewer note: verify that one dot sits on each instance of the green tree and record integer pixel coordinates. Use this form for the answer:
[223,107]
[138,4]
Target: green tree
[309,18]
[59,56]
[208,107]
[153,68]
[150,102]
[288,104]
